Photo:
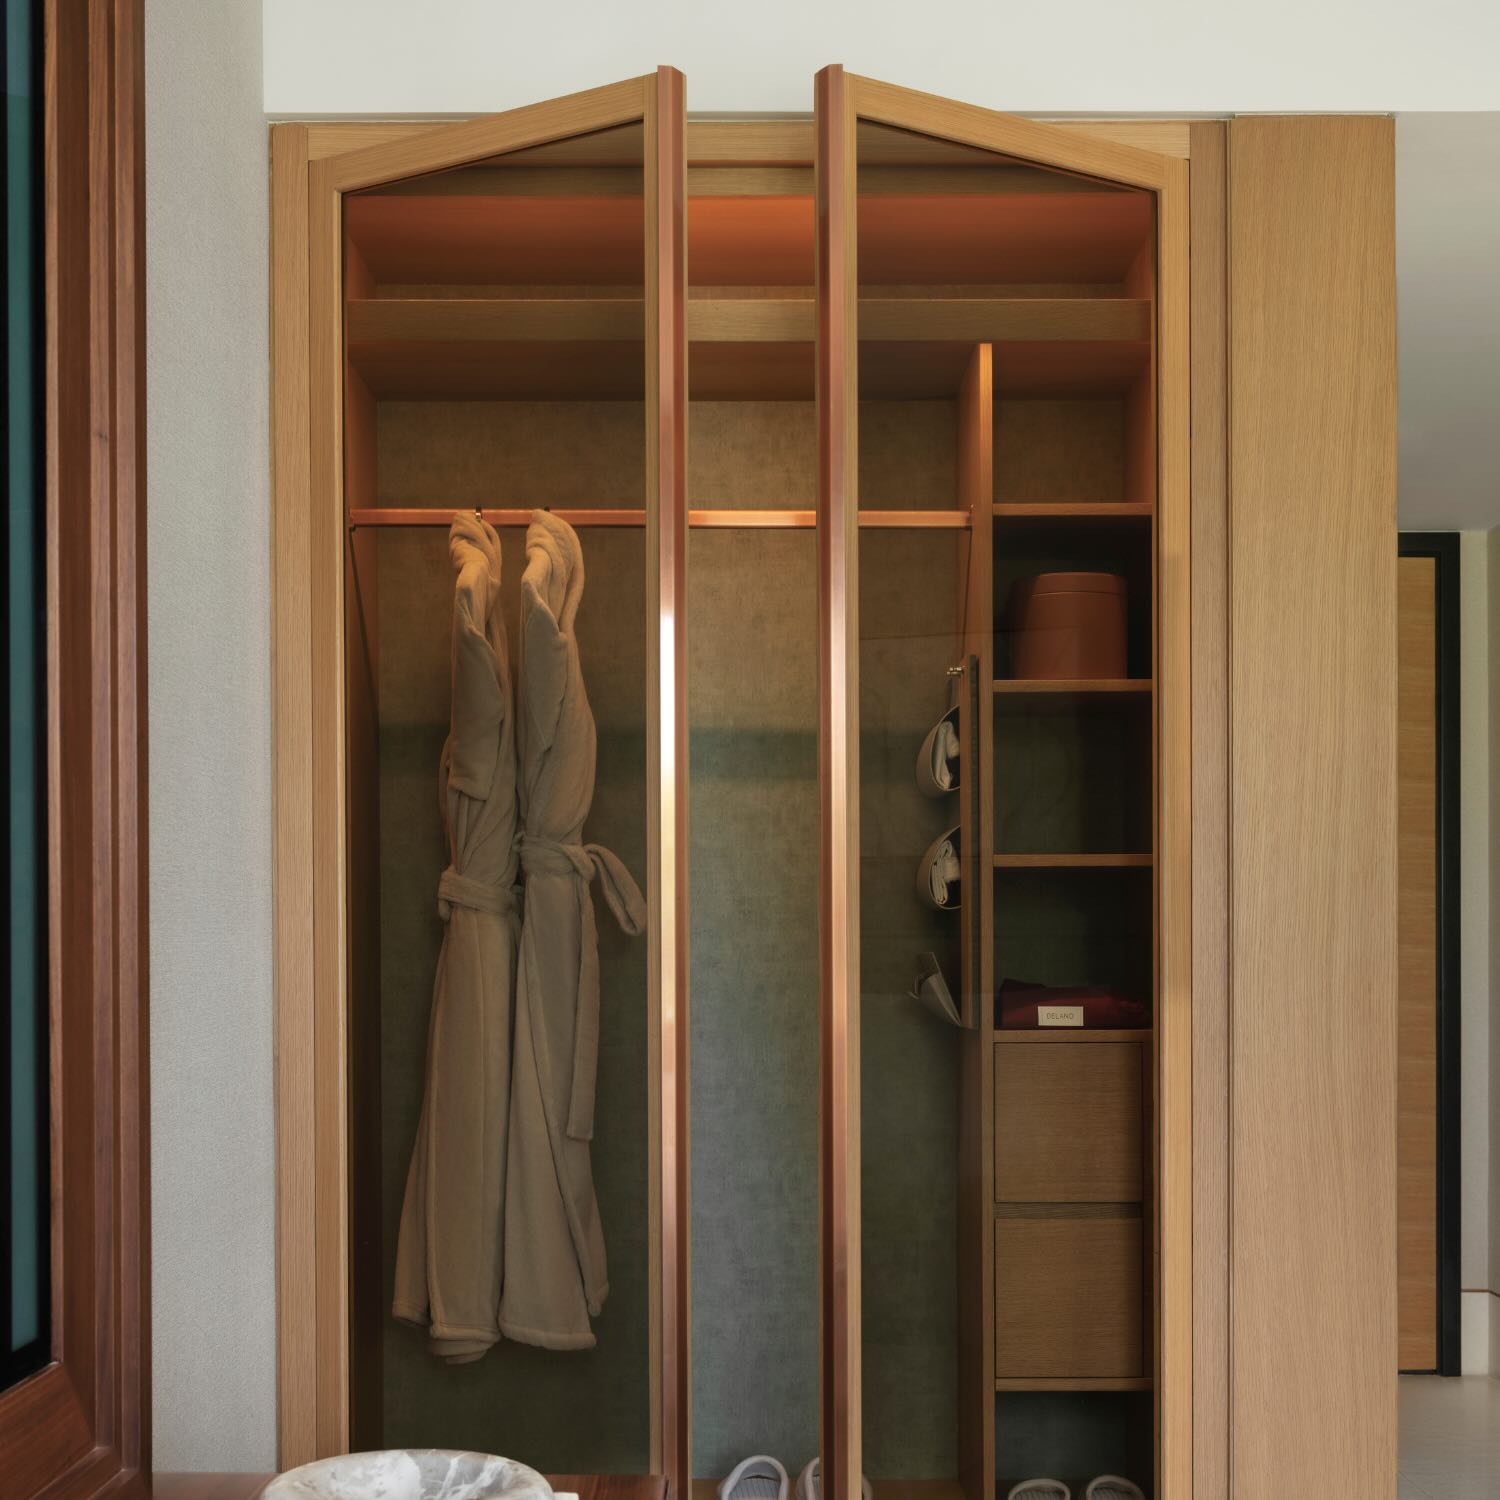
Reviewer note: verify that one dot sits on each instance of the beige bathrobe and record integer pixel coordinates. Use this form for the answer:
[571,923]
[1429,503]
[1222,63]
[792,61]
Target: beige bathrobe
[555,1278]
[449,1255]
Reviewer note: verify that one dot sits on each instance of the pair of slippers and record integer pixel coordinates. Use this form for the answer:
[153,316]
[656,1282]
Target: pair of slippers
[765,1478]
[1105,1487]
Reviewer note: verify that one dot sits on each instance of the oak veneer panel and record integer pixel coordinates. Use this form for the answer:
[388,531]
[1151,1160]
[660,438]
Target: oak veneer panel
[1210,814]
[1068,1298]
[1068,1123]
[1313,806]
[1417,1025]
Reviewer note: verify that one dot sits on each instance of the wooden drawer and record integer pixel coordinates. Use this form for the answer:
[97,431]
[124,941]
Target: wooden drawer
[1068,1122]
[1068,1298]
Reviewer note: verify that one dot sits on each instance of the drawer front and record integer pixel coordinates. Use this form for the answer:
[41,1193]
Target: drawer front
[1068,1298]
[1068,1122]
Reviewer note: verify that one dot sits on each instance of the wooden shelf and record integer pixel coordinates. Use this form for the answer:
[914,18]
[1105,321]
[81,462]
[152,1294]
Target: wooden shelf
[1102,510]
[1008,1035]
[762,320]
[917,1489]
[914,520]
[744,348]
[1078,687]
[1077,1383]
[1072,861]
[1018,698]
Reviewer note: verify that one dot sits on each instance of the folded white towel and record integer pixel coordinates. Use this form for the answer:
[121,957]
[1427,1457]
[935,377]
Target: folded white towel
[939,873]
[938,759]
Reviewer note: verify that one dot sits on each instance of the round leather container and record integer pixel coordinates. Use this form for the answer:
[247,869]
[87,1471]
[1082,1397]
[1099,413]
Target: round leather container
[1068,625]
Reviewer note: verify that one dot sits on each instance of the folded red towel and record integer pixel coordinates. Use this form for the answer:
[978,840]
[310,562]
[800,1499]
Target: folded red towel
[1020,1005]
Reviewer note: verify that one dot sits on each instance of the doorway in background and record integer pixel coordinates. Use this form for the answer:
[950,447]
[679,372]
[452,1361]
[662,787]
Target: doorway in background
[1427,1150]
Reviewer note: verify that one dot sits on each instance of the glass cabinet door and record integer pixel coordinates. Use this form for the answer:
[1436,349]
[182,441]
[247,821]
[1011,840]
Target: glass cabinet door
[498,380]
[1002,635]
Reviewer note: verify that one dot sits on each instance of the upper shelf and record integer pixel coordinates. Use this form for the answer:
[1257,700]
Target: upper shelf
[586,347]
[500,320]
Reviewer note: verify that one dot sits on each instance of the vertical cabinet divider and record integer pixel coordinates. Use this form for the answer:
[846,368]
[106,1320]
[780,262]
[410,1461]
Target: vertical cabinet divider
[837,364]
[667,772]
[976,1247]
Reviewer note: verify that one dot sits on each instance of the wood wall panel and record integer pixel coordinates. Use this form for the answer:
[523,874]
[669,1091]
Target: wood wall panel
[1312,821]
[1417,946]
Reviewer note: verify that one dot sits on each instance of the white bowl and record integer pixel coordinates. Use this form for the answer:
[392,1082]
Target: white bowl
[410,1474]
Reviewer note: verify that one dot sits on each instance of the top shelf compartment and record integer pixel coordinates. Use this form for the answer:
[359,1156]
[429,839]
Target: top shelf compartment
[522,221]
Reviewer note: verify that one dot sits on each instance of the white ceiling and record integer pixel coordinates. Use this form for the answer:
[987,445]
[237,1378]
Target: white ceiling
[1448,319]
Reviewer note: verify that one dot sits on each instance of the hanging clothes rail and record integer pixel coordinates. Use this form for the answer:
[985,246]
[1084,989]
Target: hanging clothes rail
[740,520]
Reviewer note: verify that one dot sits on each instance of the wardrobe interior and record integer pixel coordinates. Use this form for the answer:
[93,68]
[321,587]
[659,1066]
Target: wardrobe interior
[495,358]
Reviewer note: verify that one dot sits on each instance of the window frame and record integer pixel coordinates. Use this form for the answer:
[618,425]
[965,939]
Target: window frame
[81,1424]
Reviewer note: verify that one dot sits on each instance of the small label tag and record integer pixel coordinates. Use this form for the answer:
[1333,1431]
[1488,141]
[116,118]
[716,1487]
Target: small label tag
[1059,1015]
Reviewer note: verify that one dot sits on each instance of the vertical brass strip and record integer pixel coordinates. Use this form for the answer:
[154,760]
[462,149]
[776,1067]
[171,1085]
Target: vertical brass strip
[838,777]
[668,770]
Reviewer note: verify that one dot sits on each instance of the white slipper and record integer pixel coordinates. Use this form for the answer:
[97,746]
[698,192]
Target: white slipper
[808,1487]
[1040,1489]
[1112,1487]
[938,759]
[760,1477]
[930,989]
[939,873]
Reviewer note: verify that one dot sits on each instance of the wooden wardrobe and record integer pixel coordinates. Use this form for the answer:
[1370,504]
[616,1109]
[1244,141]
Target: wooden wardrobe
[817,394]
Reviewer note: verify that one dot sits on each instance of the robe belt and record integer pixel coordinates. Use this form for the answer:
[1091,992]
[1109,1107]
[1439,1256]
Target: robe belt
[475,895]
[586,863]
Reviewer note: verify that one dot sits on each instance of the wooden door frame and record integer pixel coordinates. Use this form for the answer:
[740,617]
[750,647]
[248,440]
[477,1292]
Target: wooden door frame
[1443,548]
[81,1424]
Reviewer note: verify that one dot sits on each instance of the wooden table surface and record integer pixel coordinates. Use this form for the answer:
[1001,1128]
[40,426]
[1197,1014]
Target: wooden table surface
[248,1486]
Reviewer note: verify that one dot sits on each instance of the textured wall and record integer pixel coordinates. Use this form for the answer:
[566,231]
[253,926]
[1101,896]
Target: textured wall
[1448,260]
[372,55]
[212,1153]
